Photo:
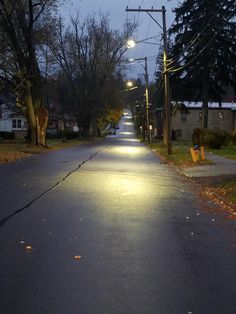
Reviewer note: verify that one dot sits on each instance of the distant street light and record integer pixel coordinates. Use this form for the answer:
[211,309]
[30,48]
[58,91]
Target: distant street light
[146,95]
[167,119]
[130,86]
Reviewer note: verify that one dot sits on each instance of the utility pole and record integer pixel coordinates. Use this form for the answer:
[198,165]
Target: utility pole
[147,101]
[166,124]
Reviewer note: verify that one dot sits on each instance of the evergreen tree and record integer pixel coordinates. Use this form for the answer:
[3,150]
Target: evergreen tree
[203,53]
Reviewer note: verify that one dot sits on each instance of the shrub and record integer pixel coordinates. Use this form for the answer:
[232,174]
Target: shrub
[61,134]
[233,137]
[71,135]
[217,138]
[212,138]
[7,135]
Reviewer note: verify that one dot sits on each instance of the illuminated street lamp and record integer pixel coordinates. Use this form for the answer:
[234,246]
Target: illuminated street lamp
[146,95]
[130,43]
[129,84]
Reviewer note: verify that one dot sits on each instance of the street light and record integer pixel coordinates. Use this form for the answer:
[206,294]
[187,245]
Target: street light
[129,84]
[167,122]
[146,95]
[130,43]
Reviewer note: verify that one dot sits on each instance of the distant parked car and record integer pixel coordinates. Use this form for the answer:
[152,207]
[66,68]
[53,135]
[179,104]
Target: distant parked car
[112,131]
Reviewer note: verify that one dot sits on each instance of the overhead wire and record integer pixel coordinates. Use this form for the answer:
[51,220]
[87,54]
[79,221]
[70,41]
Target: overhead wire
[196,38]
[141,3]
[147,33]
[203,49]
[154,3]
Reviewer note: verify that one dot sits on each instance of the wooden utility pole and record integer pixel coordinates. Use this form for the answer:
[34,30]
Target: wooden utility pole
[147,101]
[166,124]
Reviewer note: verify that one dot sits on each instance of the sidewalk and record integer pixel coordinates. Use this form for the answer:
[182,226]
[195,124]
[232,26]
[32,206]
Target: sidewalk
[222,167]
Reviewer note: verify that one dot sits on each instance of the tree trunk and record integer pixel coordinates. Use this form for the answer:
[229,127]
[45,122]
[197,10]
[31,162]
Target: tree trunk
[31,118]
[37,120]
[94,127]
[42,121]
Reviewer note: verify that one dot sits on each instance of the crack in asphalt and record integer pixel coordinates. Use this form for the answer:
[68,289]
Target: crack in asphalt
[4,220]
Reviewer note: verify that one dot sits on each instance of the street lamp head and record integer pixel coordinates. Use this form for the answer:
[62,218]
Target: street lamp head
[130,43]
[129,83]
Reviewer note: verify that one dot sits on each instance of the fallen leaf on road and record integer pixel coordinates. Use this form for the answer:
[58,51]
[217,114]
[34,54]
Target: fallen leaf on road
[77,257]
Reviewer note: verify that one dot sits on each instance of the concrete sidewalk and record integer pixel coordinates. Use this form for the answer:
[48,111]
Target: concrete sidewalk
[222,167]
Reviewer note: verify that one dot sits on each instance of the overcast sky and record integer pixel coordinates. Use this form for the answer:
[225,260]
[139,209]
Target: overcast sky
[118,16]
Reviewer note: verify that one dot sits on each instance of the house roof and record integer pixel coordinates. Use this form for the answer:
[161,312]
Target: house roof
[211,105]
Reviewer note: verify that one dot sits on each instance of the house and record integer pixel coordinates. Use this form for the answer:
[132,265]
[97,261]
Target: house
[183,122]
[13,121]
[59,121]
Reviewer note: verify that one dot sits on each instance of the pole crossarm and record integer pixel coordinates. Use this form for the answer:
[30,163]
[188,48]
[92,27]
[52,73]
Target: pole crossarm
[148,12]
[139,59]
[143,10]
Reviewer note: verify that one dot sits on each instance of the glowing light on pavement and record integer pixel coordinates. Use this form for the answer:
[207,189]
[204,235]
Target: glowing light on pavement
[134,140]
[126,133]
[127,150]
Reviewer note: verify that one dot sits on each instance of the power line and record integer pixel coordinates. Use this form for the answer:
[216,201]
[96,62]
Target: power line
[194,40]
[197,36]
[203,49]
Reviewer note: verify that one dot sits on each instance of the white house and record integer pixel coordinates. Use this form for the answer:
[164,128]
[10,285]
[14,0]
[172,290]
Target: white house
[12,122]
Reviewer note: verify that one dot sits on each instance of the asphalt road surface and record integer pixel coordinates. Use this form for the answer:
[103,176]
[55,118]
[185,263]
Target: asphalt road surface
[108,228]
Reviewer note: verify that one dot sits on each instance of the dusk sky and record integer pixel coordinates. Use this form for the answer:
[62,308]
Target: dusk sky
[118,16]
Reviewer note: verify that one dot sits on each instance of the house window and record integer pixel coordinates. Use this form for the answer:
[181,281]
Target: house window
[221,115]
[178,133]
[183,116]
[16,124]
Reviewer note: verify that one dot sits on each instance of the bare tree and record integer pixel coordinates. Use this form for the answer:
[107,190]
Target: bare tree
[89,54]
[22,24]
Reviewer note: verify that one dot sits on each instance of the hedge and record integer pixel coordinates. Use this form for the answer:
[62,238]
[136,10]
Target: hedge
[7,135]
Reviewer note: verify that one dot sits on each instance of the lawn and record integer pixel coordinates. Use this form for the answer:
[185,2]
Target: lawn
[226,151]
[180,156]
[181,152]
[11,150]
